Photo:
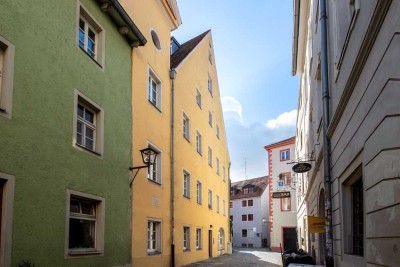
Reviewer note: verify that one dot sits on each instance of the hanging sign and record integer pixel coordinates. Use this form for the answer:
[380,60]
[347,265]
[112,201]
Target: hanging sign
[301,167]
[316,224]
[282,194]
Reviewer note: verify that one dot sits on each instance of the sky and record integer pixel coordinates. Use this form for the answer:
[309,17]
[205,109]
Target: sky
[253,53]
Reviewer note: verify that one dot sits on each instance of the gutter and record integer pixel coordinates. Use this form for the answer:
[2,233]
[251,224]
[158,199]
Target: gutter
[295,46]
[123,21]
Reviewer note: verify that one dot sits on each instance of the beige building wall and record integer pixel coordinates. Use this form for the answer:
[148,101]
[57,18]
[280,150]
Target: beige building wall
[363,63]
[192,77]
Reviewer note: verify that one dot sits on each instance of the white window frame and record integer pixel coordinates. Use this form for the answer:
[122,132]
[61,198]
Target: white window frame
[156,228]
[210,199]
[98,146]
[210,156]
[217,129]
[199,239]
[199,142]
[223,207]
[223,174]
[155,171]
[7,53]
[186,238]
[157,100]
[90,23]
[99,218]
[217,160]
[186,184]
[6,222]
[199,192]
[185,126]
[209,85]
[210,118]
[198,97]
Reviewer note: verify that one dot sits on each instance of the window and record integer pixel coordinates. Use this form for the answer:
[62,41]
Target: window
[244,244]
[357,217]
[231,218]
[285,154]
[250,203]
[244,232]
[185,126]
[186,184]
[281,185]
[217,204]
[154,89]
[244,217]
[199,190]
[250,245]
[186,238]
[285,203]
[88,125]
[198,238]
[198,98]
[217,131]
[155,169]
[153,237]
[244,203]
[7,189]
[210,118]
[85,224]
[210,156]
[286,178]
[230,204]
[209,85]
[250,217]
[7,51]
[90,36]
[198,142]
[209,199]
[223,207]
[223,174]
[247,190]
[218,166]
[210,56]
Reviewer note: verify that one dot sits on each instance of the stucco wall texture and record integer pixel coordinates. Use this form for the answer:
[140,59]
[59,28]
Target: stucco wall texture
[37,142]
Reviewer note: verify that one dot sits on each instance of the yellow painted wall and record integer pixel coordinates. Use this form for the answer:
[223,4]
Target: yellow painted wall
[191,74]
[150,200]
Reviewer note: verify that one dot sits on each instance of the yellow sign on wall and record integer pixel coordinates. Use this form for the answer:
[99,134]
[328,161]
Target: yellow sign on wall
[316,224]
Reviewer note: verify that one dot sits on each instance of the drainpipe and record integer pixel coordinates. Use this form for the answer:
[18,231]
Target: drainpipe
[327,146]
[172,76]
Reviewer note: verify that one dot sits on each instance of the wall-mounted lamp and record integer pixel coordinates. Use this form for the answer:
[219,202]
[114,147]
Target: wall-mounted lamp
[149,157]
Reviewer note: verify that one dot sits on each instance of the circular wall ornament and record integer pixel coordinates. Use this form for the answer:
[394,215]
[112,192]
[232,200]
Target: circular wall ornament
[156,40]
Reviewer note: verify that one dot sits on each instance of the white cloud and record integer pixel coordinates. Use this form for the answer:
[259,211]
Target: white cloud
[232,108]
[286,119]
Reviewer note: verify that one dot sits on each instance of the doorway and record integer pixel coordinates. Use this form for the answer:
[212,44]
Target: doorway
[289,238]
[221,241]
[210,243]
[321,236]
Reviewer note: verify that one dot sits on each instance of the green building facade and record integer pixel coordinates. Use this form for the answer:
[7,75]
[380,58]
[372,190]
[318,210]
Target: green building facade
[65,132]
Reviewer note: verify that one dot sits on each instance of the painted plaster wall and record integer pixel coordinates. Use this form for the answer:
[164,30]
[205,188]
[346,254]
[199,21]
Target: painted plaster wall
[281,218]
[151,126]
[193,74]
[36,143]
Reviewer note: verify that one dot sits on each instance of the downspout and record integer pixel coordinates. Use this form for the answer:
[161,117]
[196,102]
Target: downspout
[326,145]
[172,76]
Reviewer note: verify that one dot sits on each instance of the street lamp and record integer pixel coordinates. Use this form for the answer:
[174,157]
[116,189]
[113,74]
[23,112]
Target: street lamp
[149,156]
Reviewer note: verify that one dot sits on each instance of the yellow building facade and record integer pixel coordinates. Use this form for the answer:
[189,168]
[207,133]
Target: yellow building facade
[171,225]
[201,155]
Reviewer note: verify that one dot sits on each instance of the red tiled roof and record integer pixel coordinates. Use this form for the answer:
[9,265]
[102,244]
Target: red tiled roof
[185,49]
[285,142]
[259,184]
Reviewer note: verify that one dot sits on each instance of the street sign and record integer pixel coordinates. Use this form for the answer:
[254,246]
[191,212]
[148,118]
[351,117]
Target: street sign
[282,194]
[316,224]
[301,167]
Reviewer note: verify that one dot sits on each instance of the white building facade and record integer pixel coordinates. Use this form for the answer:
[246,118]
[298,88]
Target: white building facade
[282,211]
[363,62]
[249,213]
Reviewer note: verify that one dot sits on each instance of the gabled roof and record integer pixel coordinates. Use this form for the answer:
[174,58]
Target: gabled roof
[285,142]
[185,49]
[258,184]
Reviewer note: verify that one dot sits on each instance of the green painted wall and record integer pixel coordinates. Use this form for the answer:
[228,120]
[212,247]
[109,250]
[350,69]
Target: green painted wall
[36,144]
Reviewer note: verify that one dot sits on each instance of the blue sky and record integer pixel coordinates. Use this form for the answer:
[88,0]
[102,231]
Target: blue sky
[253,51]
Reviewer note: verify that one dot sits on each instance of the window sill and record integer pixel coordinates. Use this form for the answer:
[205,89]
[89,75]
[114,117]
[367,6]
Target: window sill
[198,152]
[154,105]
[93,59]
[199,249]
[83,253]
[156,182]
[186,250]
[153,253]
[187,197]
[88,150]
[187,139]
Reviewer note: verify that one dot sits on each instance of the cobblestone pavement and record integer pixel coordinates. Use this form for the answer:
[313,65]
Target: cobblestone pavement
[242,257]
